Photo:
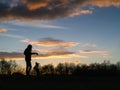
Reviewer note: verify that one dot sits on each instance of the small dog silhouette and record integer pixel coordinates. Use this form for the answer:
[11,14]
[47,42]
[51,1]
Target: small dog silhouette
[36,68]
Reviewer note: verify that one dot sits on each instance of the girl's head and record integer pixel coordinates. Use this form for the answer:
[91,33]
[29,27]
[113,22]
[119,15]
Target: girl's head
[29,46]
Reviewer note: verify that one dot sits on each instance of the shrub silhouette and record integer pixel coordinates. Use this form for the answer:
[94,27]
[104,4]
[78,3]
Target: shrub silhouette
[7,67]
[60,68]
[47,69]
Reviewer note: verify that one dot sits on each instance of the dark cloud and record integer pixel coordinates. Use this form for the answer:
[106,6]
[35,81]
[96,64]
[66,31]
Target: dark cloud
[43,55]
[49,9]
[55,52]
[10,55]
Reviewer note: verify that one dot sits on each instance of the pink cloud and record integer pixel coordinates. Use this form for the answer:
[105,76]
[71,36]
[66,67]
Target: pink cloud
[3,30]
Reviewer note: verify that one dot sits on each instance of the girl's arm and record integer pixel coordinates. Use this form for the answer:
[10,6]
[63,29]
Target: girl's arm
[34,53]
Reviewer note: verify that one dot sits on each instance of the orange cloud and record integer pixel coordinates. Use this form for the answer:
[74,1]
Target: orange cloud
[105,3]
[3,30]
[55,56]
[50,42]
[80,12]
[36,5]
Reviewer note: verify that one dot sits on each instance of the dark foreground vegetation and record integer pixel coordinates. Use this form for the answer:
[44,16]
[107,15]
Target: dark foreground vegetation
[59,83]
[65,76]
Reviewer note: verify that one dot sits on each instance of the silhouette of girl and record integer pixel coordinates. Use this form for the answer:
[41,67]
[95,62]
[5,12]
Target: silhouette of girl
[28,53]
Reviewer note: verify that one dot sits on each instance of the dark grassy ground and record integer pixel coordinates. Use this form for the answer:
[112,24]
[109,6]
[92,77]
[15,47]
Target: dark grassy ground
[59,82]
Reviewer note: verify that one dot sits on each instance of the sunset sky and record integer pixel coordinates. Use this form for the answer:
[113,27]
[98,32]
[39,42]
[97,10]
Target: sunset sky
[78,31]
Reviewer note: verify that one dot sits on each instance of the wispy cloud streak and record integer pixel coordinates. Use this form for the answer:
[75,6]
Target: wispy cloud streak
[37,24]
[11,35]
[102,53]
[92,51]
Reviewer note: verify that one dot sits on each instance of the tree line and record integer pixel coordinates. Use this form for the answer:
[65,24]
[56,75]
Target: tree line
[105,68]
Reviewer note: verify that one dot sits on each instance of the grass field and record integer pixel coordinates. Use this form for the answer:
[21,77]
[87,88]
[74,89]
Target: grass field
[59,83]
